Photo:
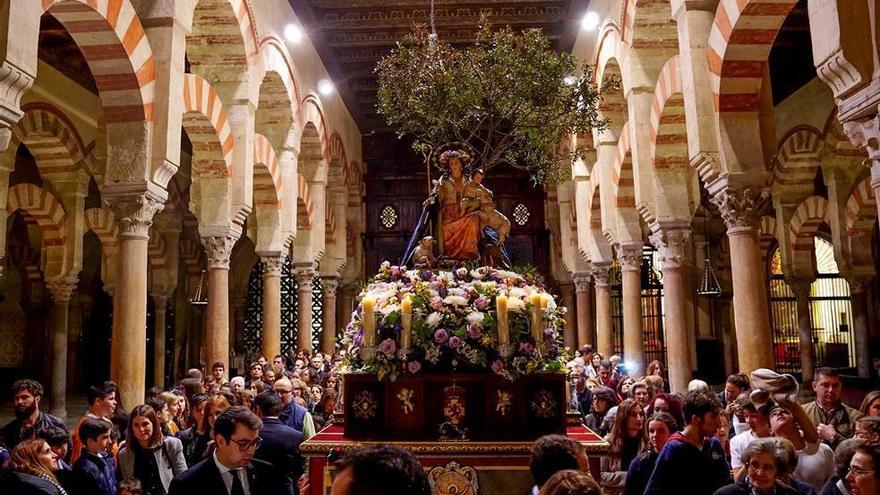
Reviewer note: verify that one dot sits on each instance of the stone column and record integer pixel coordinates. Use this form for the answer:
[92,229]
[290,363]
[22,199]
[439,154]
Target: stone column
[672,244]
[630,257]
[858,287]
[604,321]
[160,310]
[328,333]
[134,214]
[272,266]
[61,290]
[740,211]
[218,249]
[569,331]
[801,289]
[583,294]
[304,275]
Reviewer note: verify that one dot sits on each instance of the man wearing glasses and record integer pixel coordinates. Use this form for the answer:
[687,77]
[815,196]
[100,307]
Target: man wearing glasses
[294,415]
[232,470]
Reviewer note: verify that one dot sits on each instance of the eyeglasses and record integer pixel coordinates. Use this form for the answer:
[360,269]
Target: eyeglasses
[860,472]
[245,445]
[284,392]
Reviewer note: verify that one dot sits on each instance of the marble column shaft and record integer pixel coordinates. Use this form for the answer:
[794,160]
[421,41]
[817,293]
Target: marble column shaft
[801,289]
[304,277]
[61,290]
[328,332]
[672,245]
[584,303]
[604,322]
[630,257]
[218,249]
[859,298]
[272,266]
[134,214]
[160,312]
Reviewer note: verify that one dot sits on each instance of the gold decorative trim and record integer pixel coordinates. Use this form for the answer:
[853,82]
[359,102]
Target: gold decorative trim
[311,448]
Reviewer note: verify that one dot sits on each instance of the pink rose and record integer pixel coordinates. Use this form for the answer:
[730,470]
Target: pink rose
[388,347]
[436,303]
[481,303]
[474,331]
[497,366]
[440,336]
[455,341]
[414,366]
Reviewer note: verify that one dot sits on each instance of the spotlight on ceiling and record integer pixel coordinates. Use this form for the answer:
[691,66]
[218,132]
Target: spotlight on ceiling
[293,33]
[325,87]
[590,21]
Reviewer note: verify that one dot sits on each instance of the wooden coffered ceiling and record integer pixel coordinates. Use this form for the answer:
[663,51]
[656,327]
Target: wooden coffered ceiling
[352,35]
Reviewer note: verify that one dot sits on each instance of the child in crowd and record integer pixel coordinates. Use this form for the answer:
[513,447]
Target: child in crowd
[94,473]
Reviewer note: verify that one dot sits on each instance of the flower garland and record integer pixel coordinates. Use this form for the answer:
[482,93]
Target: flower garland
[454,324]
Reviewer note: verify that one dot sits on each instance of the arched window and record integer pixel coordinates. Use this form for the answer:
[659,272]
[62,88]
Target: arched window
[830,314]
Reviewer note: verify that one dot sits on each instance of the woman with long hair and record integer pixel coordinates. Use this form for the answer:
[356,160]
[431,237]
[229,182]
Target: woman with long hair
[660,427]
[31,470]
[628,437]
[148,455]
[603,400]
[668,403]
[172,402]
[871,404]
[324,409]
[191,436]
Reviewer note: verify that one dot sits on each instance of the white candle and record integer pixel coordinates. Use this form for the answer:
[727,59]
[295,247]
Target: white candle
[537,323]
[368,316]
[503,326]
[406,322]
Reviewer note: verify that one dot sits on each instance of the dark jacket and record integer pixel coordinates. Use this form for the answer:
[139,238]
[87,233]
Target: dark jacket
[12,434]
[742,487]
[194,445]
[93,475]
[831,488]
[26,484]
[293,416]
[205,478]
[639,472]
[680,465]
[280,448]
[583,401]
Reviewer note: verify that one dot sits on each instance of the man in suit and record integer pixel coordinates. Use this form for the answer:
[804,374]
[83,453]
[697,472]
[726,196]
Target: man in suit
[280,446]
[232,470]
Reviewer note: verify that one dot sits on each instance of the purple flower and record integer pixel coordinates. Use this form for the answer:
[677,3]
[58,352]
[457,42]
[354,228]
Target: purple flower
[474,331]
[358,339]
[549,334]
[455,341]
[427,275]
[395,271]
[440,336]
[388,347]
[481,303]
[414,366]
[526,347]
[497,366]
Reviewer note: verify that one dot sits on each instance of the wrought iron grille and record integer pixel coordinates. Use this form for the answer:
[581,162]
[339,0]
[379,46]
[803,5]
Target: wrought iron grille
[653,335]
[253,320]
[317,310]
[830,315]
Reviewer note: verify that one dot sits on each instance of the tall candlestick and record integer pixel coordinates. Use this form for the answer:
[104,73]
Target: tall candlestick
[406,322]
[503,326]
[368,316]
[537,324]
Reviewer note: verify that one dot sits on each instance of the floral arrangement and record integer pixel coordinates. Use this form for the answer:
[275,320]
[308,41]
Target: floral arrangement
[443,321]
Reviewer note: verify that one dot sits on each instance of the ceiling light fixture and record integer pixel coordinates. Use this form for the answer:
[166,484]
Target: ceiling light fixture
[325,87]
[293,33]
[590,21]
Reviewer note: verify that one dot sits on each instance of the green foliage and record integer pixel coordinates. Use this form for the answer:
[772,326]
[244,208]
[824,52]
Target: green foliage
[510,97]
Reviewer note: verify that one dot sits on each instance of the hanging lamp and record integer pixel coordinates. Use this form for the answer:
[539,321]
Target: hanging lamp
[200,298]
[709,286]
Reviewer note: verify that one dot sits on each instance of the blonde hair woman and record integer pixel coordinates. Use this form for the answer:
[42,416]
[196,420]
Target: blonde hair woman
[31,470]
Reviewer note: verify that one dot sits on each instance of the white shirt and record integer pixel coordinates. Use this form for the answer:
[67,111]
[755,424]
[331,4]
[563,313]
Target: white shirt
[817,468]
[226,474]
[737,445]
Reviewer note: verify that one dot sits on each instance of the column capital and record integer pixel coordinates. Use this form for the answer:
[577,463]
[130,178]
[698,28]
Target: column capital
[672,246]
[741,208]
[134,213]
[218,249]
[865,135]
[602,274]
[160,300]
[304,276]
[62,288]
[330,284]
[581,281]
[630,256]
[273,264]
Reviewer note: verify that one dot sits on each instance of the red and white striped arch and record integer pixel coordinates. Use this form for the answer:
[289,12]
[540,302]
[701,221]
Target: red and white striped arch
[207,125]
[114,44]
[622,175]
[594,206]
[805,222]
[268,183]
[314,142]
[739,45]
[338,173]
[278,105]
[647,25]
[668,130]
[50,137]
[102,223]
[275,58]
[157,249]
[43,207]
[767,233]
[861,209]
[224,34]
[798,158]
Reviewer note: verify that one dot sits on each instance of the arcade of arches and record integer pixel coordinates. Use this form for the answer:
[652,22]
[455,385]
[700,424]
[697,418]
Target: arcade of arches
[156,152]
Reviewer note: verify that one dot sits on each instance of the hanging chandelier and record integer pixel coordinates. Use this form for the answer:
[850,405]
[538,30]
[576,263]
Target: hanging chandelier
[200,298]
[709,286]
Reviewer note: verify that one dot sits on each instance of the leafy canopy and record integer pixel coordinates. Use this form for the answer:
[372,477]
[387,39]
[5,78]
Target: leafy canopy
[510,97]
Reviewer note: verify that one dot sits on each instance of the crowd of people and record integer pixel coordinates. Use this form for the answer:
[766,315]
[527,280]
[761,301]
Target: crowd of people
[242,436]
